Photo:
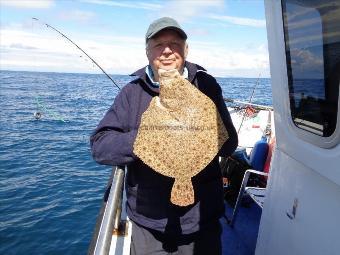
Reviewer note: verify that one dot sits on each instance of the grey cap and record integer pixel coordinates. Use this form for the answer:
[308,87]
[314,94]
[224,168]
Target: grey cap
[164,23]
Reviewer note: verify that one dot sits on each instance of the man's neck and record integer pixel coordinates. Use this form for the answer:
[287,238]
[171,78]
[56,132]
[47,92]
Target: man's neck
[154,78]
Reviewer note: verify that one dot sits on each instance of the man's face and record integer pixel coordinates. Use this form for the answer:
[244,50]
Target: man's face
[166,50]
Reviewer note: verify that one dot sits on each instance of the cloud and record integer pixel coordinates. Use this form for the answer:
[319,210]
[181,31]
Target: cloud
[77,15]
[178,9]
[184,10]
[125,4]
[42,52]
[29,4]
[306,64]
[21,46]
[22,50]
[240,21]
[222,61]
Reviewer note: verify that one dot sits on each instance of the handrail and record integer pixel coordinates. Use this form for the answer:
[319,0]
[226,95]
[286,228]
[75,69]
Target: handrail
[259,106]
[111,217]
[242,190]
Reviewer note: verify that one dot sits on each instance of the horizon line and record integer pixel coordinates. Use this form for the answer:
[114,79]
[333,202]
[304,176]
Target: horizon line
[65,72]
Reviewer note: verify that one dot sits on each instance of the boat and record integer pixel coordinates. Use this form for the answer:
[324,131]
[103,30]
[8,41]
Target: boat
[299,213]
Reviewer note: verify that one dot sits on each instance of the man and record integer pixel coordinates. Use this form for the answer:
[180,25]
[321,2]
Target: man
[160,227]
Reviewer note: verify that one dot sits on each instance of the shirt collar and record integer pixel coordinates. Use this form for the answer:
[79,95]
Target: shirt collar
[149,73]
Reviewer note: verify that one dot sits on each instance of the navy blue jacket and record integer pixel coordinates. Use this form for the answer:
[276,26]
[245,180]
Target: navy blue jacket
[148,192]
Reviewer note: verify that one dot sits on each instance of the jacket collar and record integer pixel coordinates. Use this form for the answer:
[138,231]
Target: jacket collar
[192,71]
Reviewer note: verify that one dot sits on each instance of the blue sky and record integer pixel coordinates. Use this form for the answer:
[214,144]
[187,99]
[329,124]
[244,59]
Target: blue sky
[228,38]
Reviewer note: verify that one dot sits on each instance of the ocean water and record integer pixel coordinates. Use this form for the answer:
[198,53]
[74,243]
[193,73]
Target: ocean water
[50,188]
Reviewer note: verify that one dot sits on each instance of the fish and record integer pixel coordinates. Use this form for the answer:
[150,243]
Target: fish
[180,133]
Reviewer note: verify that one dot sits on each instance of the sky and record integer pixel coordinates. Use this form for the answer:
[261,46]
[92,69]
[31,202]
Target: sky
[227,37]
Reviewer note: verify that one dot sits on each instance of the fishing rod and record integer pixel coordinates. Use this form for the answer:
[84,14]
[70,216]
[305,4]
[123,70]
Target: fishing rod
[249,102]
[93,61]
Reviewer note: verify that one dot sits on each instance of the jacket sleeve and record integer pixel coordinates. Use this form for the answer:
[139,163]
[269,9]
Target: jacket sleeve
[112,141]
[231,144]
[209,86]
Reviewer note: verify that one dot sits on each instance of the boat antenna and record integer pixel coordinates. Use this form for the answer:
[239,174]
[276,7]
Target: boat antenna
[249,102]
[93,61]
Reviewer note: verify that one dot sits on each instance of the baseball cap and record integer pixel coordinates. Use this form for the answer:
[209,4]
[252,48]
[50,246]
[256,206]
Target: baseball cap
[164,23]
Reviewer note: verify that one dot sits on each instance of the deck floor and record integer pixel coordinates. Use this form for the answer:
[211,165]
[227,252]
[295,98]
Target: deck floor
[241,239]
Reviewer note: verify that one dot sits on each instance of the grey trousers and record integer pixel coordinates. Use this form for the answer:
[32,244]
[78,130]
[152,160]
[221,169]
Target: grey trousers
[148,242]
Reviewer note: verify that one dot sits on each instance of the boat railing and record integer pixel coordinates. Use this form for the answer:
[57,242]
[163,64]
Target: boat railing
[256,106]
[110,219]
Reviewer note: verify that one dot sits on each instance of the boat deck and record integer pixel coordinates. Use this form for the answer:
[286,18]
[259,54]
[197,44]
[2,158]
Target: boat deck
[237,240]
[241,239]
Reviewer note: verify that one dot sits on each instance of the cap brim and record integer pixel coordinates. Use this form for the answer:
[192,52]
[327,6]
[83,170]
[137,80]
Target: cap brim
[178,30]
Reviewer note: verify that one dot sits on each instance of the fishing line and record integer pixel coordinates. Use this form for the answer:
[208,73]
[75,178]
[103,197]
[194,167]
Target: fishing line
[40,105]
[79,48]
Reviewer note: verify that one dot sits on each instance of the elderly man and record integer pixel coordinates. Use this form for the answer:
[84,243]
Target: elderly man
[160,227]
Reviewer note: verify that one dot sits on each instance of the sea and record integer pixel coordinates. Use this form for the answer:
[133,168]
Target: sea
[50,187]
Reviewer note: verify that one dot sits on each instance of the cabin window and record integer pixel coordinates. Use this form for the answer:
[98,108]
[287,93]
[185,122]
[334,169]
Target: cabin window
[312,41]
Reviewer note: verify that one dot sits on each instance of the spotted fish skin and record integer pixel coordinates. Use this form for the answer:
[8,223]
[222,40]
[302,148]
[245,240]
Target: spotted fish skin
[180,134]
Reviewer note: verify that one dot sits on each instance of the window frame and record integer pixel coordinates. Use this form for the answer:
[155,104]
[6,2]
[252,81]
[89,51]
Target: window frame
[303,133]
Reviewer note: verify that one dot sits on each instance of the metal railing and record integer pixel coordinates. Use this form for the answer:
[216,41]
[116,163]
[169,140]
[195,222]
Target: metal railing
[258,106]
[112,213]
